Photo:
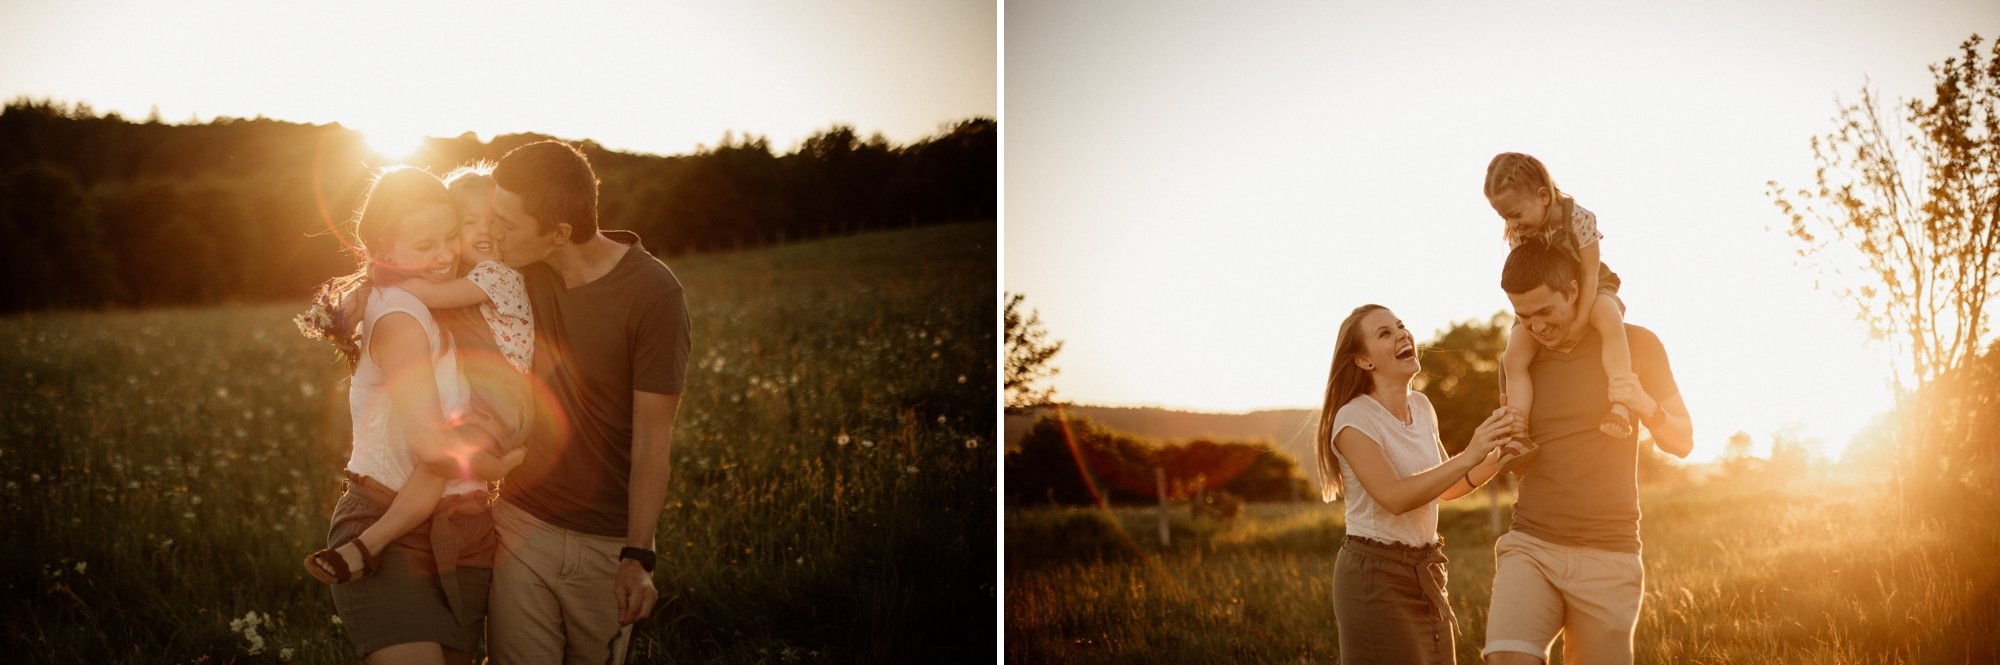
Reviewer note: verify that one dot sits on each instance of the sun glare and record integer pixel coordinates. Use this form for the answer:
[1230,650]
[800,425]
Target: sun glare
[393,144]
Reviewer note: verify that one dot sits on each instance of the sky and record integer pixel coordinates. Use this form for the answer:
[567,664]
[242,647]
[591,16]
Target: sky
[1197,194]
[655,77]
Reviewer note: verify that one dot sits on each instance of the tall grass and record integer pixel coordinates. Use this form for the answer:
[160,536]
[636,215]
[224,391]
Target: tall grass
[1737,571]
[162,473]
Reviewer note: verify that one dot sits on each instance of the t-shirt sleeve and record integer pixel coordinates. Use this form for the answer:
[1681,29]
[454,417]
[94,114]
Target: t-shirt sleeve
[660,344]
[1649,360]
[1353,416]
[505,287]
[1583,225]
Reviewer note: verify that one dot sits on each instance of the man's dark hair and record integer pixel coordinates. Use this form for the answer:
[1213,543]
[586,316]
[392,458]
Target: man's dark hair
[1534,263]
[555,184]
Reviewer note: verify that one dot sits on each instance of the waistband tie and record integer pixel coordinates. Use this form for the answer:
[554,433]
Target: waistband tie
[1426,563]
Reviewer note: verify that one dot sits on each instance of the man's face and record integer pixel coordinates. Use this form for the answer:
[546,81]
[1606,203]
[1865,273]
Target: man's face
[516,233]
[1546,313]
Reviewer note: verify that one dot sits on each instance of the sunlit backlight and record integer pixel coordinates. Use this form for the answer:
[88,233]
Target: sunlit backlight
[394,144]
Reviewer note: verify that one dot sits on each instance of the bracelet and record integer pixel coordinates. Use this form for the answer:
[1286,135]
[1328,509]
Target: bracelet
[1468,481]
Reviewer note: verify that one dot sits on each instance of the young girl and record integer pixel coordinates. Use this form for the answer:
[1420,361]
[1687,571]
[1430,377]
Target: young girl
[413,521]
[492,347]
[1519,188]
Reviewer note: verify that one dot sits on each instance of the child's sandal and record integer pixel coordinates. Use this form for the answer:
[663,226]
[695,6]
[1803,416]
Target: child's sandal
[334,570]
[1615,424]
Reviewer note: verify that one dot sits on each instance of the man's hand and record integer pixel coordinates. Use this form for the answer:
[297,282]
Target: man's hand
[636,593]
[1626,390]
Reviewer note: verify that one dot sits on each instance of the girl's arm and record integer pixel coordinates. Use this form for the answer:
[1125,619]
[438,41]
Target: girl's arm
[459,292]
[1402,494]
[1587,282]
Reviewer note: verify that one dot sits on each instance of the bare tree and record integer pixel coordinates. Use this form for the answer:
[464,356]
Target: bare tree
[1915,200]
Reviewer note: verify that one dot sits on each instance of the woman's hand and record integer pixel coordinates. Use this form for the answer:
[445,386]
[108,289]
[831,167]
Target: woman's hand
[1503,426]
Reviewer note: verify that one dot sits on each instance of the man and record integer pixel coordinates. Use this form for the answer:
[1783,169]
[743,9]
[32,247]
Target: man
[1571,562]
[577,519]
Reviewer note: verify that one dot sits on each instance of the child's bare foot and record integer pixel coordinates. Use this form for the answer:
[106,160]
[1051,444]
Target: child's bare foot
[351,561]
[1618,423]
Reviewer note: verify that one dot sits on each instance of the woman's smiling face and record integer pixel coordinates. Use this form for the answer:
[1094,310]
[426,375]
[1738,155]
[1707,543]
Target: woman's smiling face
[1386,345]
[426,244]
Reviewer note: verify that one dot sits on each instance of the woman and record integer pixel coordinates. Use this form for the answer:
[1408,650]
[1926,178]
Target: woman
[1379,446]
[411,544]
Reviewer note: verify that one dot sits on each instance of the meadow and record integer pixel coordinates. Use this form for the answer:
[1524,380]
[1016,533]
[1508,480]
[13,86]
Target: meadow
[163,472]
[1738,570]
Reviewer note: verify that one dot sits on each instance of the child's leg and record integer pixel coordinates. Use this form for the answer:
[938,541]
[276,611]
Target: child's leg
[1609,321]
[485,464]
[413,506]
[1514,362]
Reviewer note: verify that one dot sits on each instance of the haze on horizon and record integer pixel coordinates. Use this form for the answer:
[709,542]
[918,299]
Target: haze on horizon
[660,78]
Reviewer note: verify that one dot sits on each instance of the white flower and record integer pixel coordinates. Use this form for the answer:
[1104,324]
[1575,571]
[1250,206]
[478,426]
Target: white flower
[842,439]
[285,654]
[336,619]
[912,470]
[80,566]
[867,444]
[972,443]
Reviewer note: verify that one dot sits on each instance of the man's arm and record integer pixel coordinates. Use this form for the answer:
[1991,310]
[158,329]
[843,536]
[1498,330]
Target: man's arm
[652,455]
[1669,421]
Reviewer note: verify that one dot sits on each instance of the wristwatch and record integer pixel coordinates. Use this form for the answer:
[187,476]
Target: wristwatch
[646,558]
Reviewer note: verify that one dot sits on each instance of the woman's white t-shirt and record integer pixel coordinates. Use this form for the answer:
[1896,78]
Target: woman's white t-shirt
[380,449]
[1411,447]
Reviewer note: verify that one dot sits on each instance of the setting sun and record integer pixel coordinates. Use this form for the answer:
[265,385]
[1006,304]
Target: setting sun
[397,145]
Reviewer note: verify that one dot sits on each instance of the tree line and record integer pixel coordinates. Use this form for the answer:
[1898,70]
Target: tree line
[97,210]
[1073,461]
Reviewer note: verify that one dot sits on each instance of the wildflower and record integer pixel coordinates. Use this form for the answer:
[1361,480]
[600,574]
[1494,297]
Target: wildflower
[336,619]
[912,470]
[285,654]
[940,420]
[972,443]
[841,440]
[80,566]
[196,500]
[961,378]
[34,477]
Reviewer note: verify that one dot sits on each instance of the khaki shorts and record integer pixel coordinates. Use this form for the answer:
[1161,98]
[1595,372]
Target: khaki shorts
[1540,589]
[553,598]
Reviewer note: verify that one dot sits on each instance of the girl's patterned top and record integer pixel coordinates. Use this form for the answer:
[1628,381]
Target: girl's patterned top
[1580,232]
[508,312]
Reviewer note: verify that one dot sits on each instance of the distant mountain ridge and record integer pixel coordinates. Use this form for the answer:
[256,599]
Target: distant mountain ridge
[1288,430]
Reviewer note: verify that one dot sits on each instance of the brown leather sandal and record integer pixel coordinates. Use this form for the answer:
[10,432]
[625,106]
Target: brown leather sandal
[1617,423]
[329,567]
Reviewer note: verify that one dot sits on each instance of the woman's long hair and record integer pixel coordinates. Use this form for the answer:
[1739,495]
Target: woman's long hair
[395,193]
[1344,382]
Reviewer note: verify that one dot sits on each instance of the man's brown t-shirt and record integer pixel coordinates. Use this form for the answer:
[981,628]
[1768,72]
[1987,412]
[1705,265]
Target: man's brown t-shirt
[594,345]
[1582,487]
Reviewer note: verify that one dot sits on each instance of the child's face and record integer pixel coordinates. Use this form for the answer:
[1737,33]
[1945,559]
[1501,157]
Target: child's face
[475,227]
[1522,210]
[426,244]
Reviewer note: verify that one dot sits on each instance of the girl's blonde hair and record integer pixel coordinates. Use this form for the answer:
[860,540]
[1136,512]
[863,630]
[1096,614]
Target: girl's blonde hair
[474,177]
[1344,382]
[396,192]
[1521,172]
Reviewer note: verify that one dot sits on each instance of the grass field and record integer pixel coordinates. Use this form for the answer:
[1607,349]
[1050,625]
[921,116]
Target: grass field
[162,473]
[1737,571]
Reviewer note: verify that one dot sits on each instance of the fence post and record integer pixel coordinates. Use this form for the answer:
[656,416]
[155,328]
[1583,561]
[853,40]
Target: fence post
[1160,485]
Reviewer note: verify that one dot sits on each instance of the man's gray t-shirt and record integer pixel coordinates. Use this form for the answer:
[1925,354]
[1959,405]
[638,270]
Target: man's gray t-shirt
[1582,486]
[594,345]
